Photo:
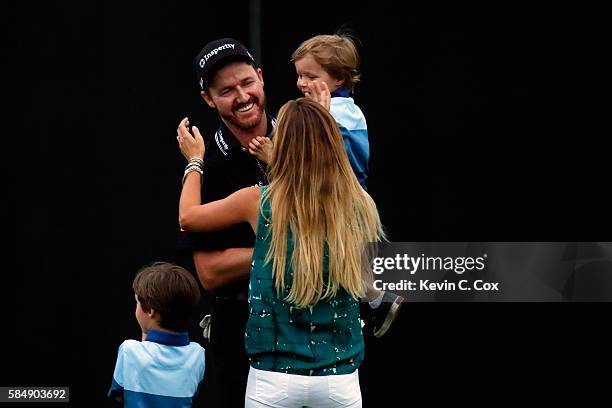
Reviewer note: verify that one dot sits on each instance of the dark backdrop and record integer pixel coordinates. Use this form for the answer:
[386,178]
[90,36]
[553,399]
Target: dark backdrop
[486,124]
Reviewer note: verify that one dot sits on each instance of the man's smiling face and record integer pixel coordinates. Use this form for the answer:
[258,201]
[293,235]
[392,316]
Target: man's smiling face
[236,92]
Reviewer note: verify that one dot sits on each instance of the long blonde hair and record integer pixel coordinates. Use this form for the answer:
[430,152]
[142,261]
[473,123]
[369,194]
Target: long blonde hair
[314,193]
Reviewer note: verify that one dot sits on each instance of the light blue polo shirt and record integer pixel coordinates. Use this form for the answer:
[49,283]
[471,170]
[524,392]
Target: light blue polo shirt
[165,370]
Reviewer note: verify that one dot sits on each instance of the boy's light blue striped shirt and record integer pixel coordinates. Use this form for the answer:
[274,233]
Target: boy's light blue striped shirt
[165,370]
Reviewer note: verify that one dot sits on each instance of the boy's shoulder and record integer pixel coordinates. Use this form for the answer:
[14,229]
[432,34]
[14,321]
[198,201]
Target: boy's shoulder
[129,345]
[147,349]
[140,356]
[346,112]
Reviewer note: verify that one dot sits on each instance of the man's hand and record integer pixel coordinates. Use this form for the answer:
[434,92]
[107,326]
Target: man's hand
[319,92]
[261,147]
[191,145]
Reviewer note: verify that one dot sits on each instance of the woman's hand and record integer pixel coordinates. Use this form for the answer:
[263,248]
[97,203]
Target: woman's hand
[191,145]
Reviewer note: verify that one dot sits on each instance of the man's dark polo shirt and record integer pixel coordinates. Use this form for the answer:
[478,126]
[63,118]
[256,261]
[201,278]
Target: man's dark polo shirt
[228,167]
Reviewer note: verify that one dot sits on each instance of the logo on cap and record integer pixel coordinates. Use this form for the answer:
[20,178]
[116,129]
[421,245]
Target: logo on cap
[214,52]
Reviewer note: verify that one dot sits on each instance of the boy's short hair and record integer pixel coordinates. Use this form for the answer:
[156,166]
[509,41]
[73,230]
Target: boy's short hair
[337,55]
[171,291]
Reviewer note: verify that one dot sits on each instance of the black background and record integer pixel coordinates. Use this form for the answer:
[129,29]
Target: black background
[486,124]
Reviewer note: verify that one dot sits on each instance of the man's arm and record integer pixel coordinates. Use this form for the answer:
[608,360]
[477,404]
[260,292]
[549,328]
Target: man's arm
[219,268]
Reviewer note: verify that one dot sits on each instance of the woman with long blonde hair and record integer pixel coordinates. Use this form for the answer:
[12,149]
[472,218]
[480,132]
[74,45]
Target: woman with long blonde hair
[312,224]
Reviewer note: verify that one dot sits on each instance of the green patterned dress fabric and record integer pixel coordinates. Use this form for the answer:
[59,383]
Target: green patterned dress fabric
[323,339]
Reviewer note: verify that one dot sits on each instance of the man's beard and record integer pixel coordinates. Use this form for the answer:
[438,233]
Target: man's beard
[247,125]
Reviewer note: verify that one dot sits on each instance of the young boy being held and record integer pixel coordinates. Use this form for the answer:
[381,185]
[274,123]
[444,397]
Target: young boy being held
[332,61]
[164,369]
[329,64]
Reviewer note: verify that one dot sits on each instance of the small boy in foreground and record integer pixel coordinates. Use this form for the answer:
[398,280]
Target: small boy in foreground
[164,369]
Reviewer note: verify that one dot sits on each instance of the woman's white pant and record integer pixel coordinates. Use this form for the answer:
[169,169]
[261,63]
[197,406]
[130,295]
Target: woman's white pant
[279,390]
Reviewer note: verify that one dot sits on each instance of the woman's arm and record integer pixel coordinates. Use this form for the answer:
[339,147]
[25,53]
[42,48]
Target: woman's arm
[240,206]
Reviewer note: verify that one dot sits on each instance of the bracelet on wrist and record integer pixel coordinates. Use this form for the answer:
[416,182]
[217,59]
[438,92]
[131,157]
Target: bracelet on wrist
[190,169]
[198,160]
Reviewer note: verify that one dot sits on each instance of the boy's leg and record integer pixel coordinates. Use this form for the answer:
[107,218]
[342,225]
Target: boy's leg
[384,306]
[373,296]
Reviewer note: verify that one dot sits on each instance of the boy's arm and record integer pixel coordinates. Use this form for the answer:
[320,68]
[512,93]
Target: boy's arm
[116,390]
[354,130]
[358,150]
[219,268]
[201,381]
